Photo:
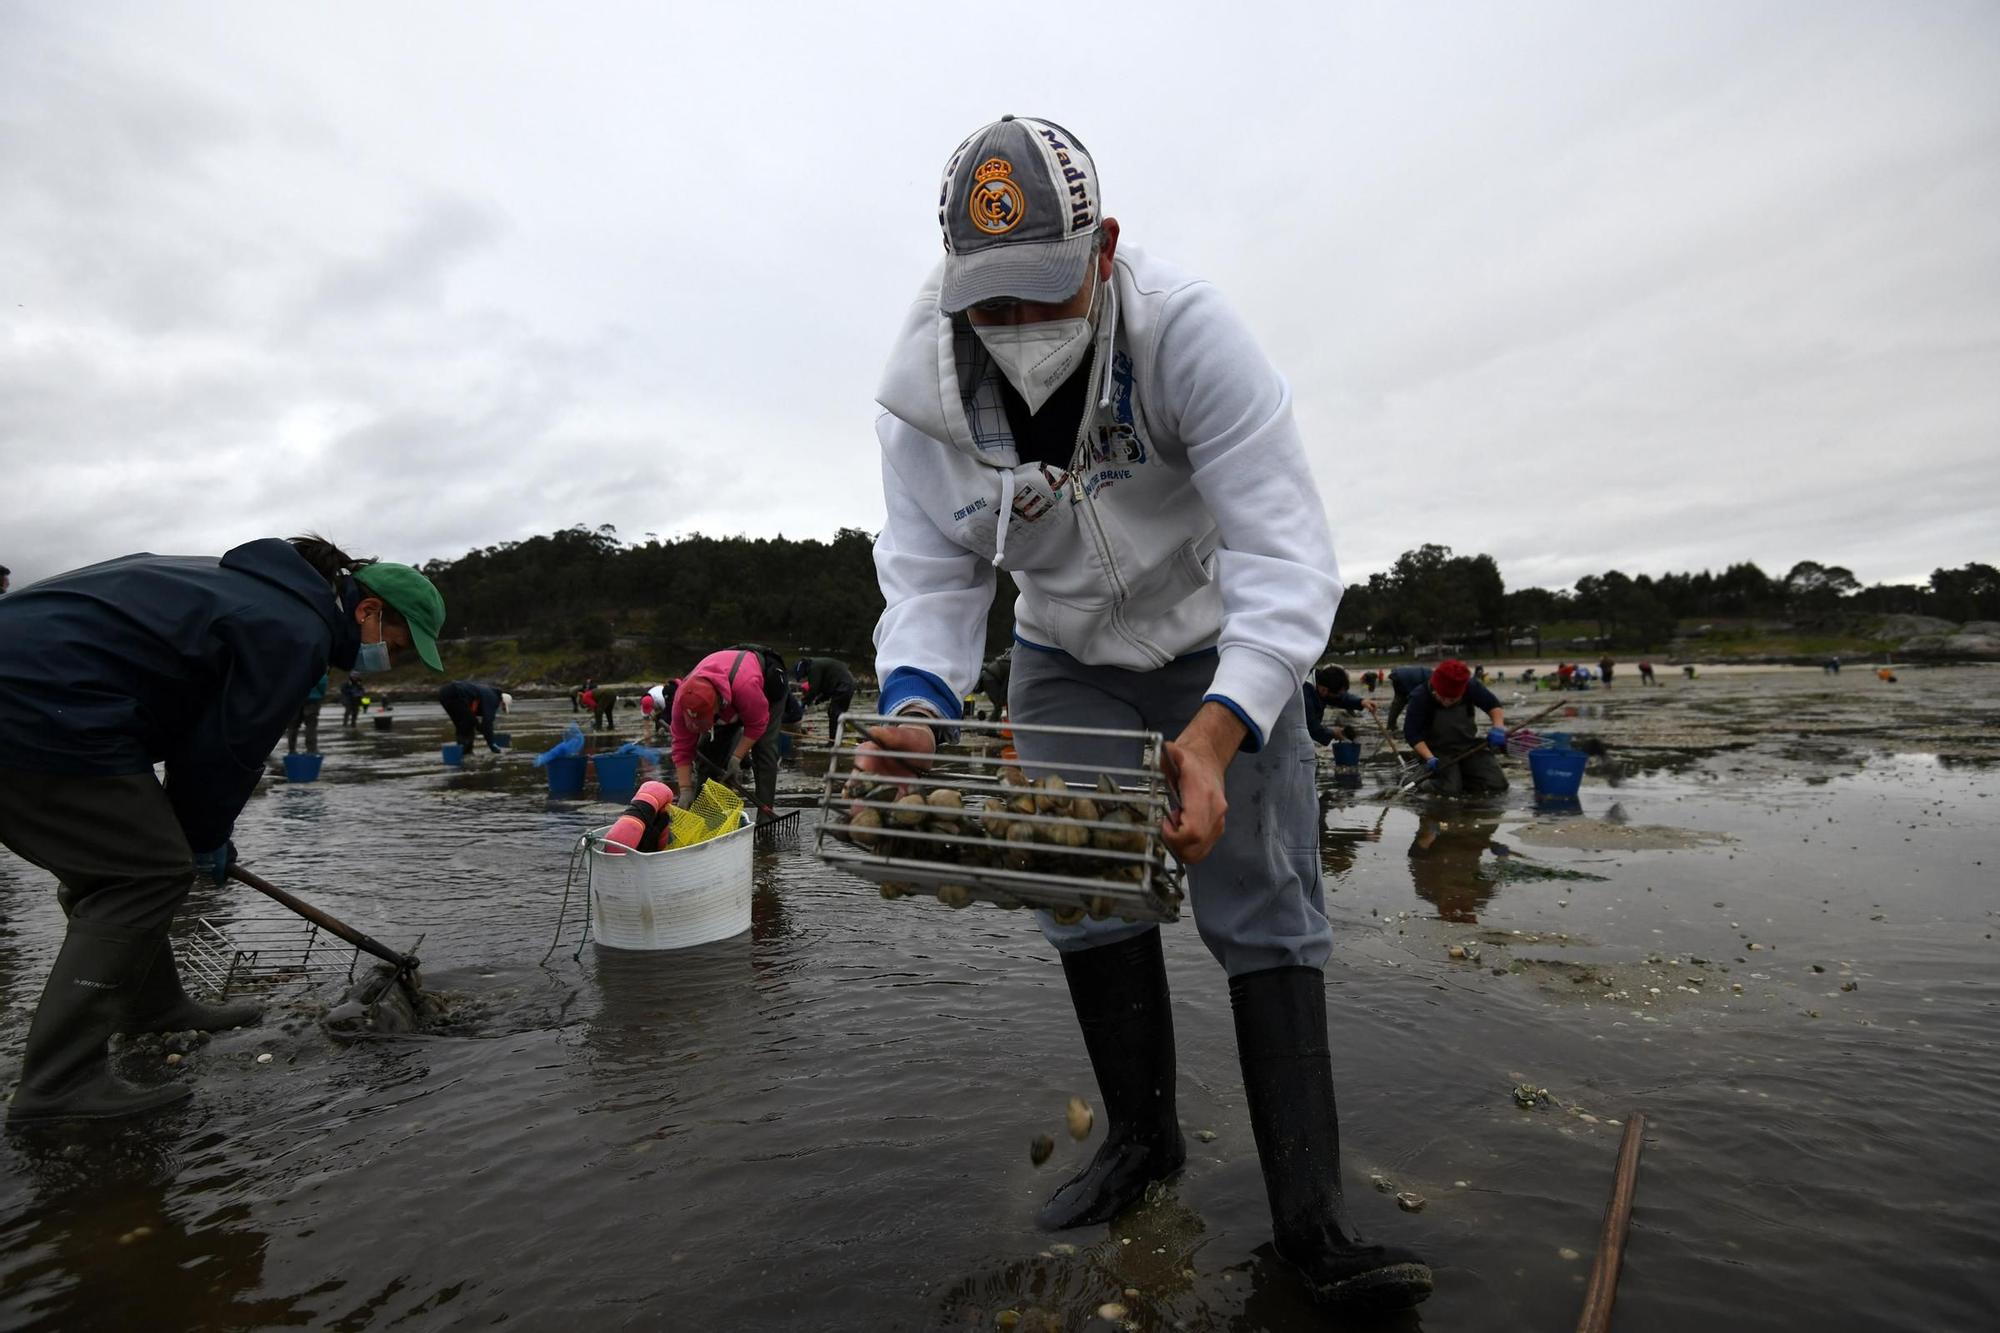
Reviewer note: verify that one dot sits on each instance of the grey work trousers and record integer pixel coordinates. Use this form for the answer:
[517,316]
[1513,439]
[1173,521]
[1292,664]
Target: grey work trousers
[309,719]
[113,843]
[1258,898]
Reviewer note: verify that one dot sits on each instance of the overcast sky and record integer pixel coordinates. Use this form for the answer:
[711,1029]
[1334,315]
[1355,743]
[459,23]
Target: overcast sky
[1645,286]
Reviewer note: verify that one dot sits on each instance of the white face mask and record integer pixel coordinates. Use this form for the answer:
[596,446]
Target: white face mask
[1037,358]
[372,657]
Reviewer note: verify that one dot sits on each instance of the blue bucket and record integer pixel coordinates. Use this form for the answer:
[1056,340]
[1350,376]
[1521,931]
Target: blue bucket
[1347,752]
[566,774]
[303,767]
[617,776]
[1556,772]
[452,754]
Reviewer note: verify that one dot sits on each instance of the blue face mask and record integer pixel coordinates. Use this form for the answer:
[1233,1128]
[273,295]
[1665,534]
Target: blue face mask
[373,657]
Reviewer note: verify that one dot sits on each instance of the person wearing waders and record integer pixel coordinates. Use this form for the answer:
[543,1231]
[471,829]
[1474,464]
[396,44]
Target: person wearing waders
[657,705]
[472,706]
[1402,681]
[1328,689]
[826,680]
[350,701]
[1440,726]
[196,662]
[307,717]
[781,701]
[603,703]
[1605,666]
[722,714]
[1103,427]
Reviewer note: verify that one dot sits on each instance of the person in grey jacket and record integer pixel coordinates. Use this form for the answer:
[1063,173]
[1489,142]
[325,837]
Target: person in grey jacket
[1103,427]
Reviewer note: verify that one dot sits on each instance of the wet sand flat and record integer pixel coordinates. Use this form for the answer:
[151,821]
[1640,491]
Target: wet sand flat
[1768,925]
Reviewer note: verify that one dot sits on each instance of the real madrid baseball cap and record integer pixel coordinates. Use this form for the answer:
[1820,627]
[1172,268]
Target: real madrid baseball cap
[1020,212]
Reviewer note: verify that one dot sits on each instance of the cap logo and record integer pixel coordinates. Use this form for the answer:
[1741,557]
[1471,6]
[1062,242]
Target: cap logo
[996,204]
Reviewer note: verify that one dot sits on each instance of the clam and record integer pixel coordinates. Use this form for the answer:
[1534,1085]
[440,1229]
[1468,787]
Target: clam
[1022,805]
[895,891]
[1082,807]
[1021,847]
[864,828]
[944,798]
[1041,1148]
[1066,916]
[1101,906]
[1117,840]
[1051,795]
[1065,835]
[954,895]
[1131,837]
[994,819]
[1013,776]
[910,811]
[1079,1118]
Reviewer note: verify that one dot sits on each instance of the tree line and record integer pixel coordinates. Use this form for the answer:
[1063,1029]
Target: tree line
[585,589]
[1431,595]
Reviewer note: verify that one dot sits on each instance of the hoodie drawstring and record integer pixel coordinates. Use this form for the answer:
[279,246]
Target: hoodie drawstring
[1006,513]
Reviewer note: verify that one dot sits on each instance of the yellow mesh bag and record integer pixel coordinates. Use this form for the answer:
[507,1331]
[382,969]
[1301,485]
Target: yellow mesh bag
[717,806]
[688,827]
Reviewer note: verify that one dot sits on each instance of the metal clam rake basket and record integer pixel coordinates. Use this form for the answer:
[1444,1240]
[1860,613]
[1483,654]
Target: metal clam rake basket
[1082,840]
[231,954]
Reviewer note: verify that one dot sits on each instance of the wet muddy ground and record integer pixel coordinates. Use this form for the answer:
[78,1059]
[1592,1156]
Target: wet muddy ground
[1769,926]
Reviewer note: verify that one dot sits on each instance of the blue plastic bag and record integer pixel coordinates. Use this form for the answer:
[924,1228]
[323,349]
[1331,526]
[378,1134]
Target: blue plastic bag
[647,754]
[569,747]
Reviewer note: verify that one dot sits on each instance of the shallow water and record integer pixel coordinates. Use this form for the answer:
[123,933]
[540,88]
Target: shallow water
[825,1123]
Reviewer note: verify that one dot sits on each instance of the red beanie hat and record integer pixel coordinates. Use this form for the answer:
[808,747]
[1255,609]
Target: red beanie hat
[1451,677]
[697,701]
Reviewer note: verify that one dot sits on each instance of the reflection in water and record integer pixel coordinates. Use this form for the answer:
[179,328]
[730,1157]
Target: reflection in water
[1340,844]
[1444,863]
[101,1192]
[656,1008]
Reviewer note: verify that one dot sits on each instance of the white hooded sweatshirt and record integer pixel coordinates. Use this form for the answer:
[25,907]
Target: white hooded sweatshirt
[1188,519]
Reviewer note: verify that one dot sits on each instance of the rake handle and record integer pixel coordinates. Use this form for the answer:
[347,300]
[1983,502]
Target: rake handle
[1603,1289]
[405,963]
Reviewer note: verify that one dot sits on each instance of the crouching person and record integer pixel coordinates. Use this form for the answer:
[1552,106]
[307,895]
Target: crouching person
[195,662]
[1441,728]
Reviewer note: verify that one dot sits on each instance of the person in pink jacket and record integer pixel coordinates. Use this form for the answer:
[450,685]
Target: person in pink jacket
[725,689]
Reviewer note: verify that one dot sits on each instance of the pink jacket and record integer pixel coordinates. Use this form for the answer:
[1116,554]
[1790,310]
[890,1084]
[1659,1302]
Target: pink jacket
[738,677]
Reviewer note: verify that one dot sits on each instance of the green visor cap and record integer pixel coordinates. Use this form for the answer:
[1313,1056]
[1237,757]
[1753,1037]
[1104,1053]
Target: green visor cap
[415,598]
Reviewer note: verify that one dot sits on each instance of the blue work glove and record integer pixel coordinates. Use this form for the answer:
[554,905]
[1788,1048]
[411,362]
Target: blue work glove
[1497,738]
[1431,764]
[216,864]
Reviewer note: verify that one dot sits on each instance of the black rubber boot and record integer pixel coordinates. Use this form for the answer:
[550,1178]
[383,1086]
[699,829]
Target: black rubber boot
[1288,1081]
[65,1069]
[160,1005]
[1120,994]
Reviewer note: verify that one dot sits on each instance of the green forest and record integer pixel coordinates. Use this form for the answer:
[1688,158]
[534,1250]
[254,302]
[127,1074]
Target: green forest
[583,602]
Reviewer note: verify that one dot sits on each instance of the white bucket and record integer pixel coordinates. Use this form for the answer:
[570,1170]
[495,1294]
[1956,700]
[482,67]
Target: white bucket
[673,899]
